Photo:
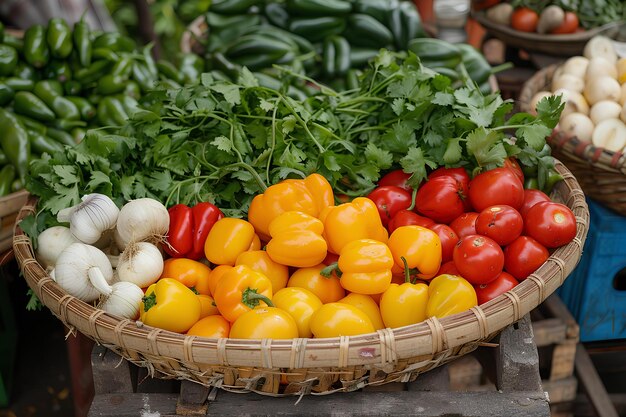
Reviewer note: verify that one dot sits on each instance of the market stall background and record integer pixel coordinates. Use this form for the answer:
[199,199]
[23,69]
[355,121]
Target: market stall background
[166,48]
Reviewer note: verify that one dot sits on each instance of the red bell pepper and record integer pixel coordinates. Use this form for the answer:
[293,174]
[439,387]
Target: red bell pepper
[189,228]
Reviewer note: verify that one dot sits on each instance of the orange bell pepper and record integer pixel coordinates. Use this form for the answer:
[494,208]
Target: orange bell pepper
[449,294]
[211,326]
[297,240]
[260,261]
[216,275]
[241,289]
[416,248]
[364,266]
[309,195]
[347,222]
[328,289]
[228,238]
[207,306]
[192,273]
[264,323]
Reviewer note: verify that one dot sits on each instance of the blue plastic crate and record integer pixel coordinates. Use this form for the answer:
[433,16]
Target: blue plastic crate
[595,292]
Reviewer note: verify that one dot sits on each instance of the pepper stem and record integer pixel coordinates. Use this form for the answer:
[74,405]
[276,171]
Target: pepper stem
[413,199]
[149,301]
[250,298]
[327,272]
[97,280]
[407,272]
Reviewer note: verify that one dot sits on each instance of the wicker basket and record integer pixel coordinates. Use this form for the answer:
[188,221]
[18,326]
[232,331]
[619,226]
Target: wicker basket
[601,173]
[310,366]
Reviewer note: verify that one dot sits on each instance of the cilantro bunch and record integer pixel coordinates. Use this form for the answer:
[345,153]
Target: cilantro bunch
[225,142]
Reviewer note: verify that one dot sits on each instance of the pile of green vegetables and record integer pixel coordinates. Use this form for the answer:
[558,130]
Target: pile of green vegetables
[328,40]
[57,81]
[223,142]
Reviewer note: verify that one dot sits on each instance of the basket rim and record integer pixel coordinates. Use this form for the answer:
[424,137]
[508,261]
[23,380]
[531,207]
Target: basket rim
[433,337]
[569,144]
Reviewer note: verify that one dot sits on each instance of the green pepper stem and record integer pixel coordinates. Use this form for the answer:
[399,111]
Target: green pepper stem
[413,201]
[251,298]
[149,301]
[334,267]
[407,273]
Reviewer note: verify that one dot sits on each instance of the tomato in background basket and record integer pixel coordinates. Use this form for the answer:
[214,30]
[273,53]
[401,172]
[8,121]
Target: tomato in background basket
[524,19]
[551,224]
[409,218]
[462,178]
[479,259]
[512,164]
[448,239]
[569,25]
[503,283]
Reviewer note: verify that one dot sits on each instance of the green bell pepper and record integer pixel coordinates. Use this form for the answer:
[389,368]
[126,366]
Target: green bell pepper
[36,50]
[59,38]
[14,141]
[8,60]
[28,104]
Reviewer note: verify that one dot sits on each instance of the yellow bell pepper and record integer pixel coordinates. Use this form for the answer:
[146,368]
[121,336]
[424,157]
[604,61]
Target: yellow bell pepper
[365,266]
[216,275]
[241,289]
[208,306]
[297,240]
[227,239]
[300,303]
[366,304]
[416,248]
[347,222]
[264,323]
[339,319]
[309,195]
[170,305]
[260,261]
[404,304]
[449,294]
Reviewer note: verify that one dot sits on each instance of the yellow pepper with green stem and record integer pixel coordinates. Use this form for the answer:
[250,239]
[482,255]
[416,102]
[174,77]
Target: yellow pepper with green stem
[170,305]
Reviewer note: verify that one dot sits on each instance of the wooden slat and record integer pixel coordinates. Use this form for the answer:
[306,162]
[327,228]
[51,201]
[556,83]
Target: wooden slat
[555,306]
[192,400]
[563,357]
[549,331]
[110,373]
[592,384]
[561,390]
[435,404]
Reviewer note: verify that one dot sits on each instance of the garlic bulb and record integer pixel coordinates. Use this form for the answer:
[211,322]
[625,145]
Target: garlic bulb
[141,263]
[123,301]
[88,220]
[144,219]
[84,271]
[51,242]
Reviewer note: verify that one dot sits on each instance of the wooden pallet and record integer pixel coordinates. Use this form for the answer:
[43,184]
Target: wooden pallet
[123,390]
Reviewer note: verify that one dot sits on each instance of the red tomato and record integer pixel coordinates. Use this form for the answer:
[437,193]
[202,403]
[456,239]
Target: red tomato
[465,224]
[462,178]
[479,259]
[440,199]
[389,200]
[532,197]
[569,25]
[502,223]
[409,218]
[448,239]
[503,283]
[551,224]
[397,178]
[448,268]
[523,256]
[496,186]
[524,19]
[512,164]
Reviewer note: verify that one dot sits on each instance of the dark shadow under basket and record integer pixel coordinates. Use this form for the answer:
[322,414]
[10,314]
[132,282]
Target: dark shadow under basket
[600,173]
[310,366]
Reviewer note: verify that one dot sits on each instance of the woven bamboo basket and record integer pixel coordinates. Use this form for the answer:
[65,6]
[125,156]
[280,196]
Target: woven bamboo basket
[310,366]
[601,173]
